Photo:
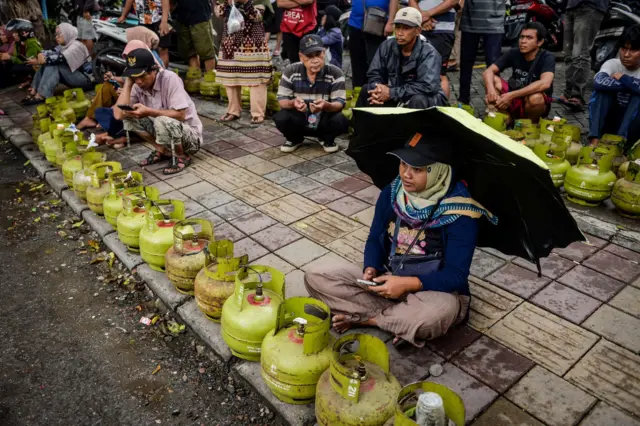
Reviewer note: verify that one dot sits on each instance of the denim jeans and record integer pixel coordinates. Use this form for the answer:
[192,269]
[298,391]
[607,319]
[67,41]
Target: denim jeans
[606,115]
[48,77]
[468,51]
[580,28]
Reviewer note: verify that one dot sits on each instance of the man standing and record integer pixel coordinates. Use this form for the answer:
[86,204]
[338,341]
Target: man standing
[86,33]
[299,19]
[195,32]
[581,23]
[160,111]
[527,94]
[363,45]
[405,70]
[439,24]
[615,100]
[312,96]
[153,14]
[480,19]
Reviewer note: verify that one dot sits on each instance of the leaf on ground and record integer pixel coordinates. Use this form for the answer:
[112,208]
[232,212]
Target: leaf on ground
[175,327]
[11,228]
[19,199]
[112,257]
[156,369]
[62,234]
[37,219]
[97,259]
[49,251]
[54,202]
[17,190]
[27,163]
[95,246]
[37,188]
[155,319]
[77,224]
[34,209]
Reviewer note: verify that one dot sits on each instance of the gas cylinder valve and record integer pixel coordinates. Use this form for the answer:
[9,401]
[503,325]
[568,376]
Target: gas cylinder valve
[301,325]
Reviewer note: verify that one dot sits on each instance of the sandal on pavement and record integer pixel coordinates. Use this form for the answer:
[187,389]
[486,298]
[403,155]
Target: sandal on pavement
[257,120]
[32,100]
[177,165]
[153,158]
[229,117]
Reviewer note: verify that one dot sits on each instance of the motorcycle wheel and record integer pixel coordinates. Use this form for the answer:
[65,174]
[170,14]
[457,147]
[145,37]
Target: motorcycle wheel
[100,66]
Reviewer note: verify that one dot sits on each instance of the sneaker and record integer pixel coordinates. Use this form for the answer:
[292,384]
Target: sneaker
[290,146]
[330,147]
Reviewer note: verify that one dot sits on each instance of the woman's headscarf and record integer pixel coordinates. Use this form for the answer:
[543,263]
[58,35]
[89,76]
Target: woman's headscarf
[137,44]
[440,202]
[7,47]
[74,51]
[145,35]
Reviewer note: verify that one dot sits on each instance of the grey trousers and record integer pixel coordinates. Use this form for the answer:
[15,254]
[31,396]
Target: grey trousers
[48,77]
[580,28]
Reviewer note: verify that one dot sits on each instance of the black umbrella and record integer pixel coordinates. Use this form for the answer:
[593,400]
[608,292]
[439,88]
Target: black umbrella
[507,178]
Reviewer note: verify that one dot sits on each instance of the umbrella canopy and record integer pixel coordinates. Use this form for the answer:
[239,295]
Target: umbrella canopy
[507,178]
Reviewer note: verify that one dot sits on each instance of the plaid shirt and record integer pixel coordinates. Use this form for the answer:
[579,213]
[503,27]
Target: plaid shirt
[329,85]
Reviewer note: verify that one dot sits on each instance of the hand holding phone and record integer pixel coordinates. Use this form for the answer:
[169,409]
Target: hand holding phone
[367,282]
[126,107]
[114,83]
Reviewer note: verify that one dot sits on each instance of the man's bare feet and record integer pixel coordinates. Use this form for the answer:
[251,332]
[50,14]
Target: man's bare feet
[342,323]
[86,123]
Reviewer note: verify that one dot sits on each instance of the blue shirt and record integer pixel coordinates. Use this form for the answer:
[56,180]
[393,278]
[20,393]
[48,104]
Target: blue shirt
[356,19]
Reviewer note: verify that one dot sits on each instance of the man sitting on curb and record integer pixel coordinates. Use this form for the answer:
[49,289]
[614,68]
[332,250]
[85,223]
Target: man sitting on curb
[615,100]
[527,94]
[160,111]
[311,96]
[405,70]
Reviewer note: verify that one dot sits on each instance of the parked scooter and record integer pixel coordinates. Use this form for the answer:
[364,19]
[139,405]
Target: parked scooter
[605,46]
[547,12]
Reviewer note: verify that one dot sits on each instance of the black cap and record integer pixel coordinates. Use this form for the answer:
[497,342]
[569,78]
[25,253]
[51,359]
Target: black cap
[418,152]
[311,43]
[139,61]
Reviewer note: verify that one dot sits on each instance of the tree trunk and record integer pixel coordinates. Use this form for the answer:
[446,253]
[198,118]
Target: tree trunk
[24,9]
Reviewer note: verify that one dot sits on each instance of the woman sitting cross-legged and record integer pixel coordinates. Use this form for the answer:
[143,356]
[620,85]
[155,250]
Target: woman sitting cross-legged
[418,254]
[68,63]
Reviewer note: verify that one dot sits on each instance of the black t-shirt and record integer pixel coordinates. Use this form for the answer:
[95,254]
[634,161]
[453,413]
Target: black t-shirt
[192,12]
[521,68]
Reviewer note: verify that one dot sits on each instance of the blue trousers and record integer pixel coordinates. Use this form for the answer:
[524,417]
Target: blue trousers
[606,115]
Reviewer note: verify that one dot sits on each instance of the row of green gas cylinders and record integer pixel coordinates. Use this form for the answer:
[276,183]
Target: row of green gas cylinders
[589,174]
[301,362]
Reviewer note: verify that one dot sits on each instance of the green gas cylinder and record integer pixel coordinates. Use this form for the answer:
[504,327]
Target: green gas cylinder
[189,253]
[407,405]
[615,145]
[275,80]
[43,111]
[62,112]
[208,87]
[358,388]
[51,103]
[156,236]
[214,284]
[496,120]
[118,182]
[515,135]
[554,158]
[192,80]
[249,314]
[469,108]
[298,350]
[35,127]
[132,218]
[77,102]
[245,97]
[99,187]
[590,181]
[626,191]
[223,93]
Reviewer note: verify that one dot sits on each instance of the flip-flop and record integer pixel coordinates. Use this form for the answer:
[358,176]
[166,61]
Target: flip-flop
[229,117]
[177,165]
[32,100]
[257,120]
[575,106]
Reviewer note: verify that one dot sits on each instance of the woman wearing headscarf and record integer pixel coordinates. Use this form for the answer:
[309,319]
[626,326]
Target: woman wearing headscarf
[416,258]
[21,46]
[138,38]
[245,60]
[68,63]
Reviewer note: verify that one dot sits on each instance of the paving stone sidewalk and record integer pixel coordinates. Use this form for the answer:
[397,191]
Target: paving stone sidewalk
[561,349]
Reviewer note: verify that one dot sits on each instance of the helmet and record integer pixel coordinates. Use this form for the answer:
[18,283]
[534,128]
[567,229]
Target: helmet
[19,26]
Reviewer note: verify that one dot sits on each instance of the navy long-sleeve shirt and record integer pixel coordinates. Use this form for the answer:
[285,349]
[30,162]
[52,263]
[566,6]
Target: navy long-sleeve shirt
[459,239]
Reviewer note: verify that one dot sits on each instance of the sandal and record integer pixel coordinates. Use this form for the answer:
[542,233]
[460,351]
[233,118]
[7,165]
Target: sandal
[177,165]
[153,158]
[25,84]
[257,120]
[32,100]
[229,117]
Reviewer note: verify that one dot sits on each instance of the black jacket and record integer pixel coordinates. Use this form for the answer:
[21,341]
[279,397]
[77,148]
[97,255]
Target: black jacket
[420,75]
[85,6]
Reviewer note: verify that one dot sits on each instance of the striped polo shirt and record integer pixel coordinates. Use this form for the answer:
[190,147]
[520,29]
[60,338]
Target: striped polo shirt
[329,84]
[483,16]
[446,21]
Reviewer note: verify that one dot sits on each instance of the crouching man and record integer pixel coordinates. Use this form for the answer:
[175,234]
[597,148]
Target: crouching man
[160,111]
[527,94]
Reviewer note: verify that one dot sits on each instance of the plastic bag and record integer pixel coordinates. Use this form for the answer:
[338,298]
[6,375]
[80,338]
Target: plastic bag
[236,21]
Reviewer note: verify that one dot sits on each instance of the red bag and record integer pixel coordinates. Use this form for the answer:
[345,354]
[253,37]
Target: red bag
[299,20]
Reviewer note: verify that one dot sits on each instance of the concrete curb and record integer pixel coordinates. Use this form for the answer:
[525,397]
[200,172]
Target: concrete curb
[208,330]
[56,181]
[74,202]
[129,259]
[162,287]
[21,140]
[99,224]
[31,151]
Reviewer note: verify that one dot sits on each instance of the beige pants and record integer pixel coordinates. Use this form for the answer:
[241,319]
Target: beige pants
[415,317]
[258,97]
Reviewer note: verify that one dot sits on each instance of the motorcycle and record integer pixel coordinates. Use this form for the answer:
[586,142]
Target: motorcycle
[546,12]
[605,45]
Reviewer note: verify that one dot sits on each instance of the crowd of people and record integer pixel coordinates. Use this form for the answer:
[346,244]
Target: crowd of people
[399,57]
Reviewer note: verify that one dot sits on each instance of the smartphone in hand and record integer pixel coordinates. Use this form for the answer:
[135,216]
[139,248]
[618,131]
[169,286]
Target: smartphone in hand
[114,83]
[126,107]
[367,282]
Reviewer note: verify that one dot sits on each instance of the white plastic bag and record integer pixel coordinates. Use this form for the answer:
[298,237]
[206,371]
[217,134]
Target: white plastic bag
[236,21]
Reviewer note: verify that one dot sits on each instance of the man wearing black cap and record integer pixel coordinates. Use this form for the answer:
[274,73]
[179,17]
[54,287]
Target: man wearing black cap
[405,70]
[312,96]
[160,111]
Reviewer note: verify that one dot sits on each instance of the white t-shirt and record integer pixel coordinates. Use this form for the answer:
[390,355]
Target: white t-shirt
[613,66]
